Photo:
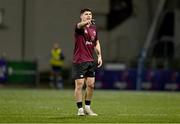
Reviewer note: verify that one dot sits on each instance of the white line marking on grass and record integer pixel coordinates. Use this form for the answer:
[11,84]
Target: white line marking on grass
[144,115]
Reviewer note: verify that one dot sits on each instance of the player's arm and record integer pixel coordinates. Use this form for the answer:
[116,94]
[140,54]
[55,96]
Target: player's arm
[98,53]
[62,57]
[80,25]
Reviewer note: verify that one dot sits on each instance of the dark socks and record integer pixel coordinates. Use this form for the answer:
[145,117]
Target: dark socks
[79,104]
[87,102]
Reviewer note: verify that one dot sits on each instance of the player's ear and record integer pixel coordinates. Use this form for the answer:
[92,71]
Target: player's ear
[81,16]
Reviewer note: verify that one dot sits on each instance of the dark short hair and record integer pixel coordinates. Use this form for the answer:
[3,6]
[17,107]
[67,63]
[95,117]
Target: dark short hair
[84,10]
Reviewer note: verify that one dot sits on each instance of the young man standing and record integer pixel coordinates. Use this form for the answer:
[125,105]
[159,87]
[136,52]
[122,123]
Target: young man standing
[84,65]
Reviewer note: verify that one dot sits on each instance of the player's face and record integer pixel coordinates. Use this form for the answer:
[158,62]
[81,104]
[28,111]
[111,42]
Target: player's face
[87,15]
[56,45]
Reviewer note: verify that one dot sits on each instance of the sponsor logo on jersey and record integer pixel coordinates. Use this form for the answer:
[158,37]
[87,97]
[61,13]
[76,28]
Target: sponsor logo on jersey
[88,43]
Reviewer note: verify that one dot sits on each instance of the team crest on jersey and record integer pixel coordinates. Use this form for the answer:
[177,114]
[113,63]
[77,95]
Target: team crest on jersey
[94,33]
[85,31]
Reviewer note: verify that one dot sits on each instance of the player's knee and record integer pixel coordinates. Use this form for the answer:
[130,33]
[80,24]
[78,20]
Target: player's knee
[79,86]
[91,86]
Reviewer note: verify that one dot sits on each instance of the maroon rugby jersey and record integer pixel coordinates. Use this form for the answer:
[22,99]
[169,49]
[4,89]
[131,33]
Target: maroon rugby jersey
[85,41]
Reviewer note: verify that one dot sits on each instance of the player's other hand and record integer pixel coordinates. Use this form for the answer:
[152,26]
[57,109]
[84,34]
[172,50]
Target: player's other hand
[99,62]
[87,22]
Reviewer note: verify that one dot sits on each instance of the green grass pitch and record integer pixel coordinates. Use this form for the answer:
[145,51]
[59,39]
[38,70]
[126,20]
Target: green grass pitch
[58,106]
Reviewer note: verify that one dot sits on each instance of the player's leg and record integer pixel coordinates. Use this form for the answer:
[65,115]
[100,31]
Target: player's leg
[78,72]
[52,79]
[90,80]
[88,97]
[59,81]
[78,95]
[55,77]
[89,91]
[89,88]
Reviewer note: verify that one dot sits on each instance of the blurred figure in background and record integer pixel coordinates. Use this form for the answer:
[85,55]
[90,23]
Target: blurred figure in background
[57,63]
[3,69]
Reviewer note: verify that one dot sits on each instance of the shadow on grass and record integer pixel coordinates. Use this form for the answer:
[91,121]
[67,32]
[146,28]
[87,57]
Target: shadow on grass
[68,118]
